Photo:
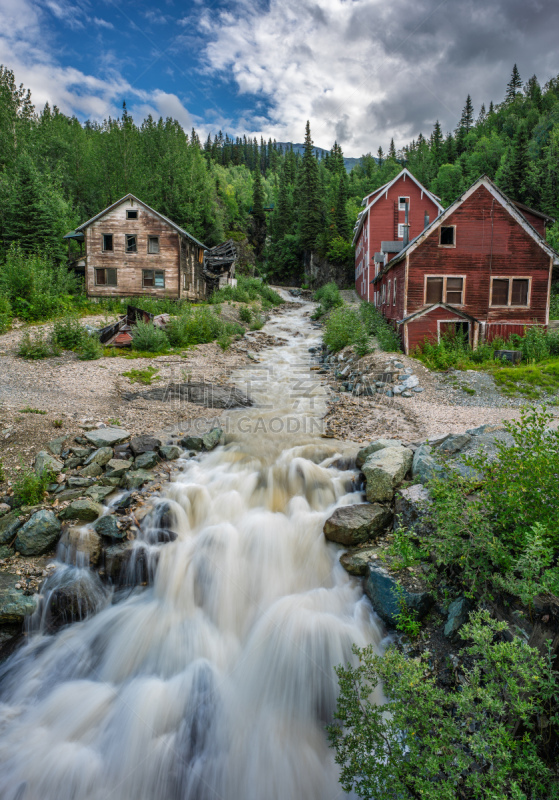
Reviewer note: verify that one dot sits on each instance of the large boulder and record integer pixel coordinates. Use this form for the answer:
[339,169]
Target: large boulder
[55,446]
[107,526]
[192,442]
[85,510]
[170,452]
[75,595]
[135,478]
[384,471]
[454,443]
[424,466]
[45,461]
[116,467]
[15,606]
[86,544]
[382,590]
[9,525]
[351,525]
[146,460]
[107,437]
[373,447]
[92,471]
[144,444]
[356,561]
[100,456]
[211,439]
[411,507]
[39,534]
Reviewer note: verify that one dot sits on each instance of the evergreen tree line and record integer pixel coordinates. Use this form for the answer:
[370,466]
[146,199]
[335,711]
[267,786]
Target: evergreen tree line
[56,172]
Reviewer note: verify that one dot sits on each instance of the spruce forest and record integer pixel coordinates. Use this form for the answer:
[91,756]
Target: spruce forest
[57,172]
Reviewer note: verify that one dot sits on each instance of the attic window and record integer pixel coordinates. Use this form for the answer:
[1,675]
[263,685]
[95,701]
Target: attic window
[153,245]
[447,236]
[131,243]
[131,214]
[107,242]
[402,203]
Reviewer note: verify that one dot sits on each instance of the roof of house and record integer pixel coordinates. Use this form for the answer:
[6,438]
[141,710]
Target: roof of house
[391,247]
[505,201]
[145,205]
[383,189]
[533,211]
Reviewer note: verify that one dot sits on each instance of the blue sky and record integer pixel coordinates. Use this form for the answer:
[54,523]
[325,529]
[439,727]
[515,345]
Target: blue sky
[362,71]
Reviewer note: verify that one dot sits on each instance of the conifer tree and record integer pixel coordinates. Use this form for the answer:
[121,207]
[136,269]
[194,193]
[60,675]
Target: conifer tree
[392,150]
[514,85]
[343,225]
[467,118]
[437,145]
[309,195]
[258,215]
[380,156]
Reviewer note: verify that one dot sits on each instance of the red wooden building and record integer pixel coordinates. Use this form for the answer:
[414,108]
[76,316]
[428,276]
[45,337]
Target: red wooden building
[482,268]
[382,229]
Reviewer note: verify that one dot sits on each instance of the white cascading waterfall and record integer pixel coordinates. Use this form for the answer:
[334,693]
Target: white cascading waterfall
[216,681]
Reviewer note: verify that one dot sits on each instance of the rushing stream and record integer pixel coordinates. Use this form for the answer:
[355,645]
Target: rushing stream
[216,681]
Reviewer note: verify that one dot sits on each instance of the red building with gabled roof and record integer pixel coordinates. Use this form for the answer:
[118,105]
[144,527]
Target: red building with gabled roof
[482,268]
[393,214]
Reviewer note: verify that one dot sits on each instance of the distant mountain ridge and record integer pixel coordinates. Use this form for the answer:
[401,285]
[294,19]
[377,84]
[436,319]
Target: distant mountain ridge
[320,153]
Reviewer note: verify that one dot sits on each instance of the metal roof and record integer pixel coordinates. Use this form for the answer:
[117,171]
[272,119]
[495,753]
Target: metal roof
[391,247]
[79,237]
[149,208]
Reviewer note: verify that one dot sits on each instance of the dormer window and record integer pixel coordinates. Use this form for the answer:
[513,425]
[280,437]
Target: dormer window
[402,202]
[131,213]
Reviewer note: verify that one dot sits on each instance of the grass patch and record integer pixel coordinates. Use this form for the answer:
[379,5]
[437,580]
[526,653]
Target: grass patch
[530,380]
[143,376]
[246,291]
[28,410]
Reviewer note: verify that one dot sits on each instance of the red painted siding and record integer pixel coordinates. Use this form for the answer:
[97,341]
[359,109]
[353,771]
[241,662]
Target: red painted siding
[536,222]
[426,327]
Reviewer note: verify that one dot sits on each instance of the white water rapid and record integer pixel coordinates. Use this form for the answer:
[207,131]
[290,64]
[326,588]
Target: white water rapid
[216,681]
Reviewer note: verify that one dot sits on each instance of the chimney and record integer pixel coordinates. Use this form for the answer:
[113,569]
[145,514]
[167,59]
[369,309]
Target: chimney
[426,221]
[407,226]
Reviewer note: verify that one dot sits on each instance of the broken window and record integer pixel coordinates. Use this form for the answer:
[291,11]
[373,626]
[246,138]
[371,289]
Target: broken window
[434,290]
[153,278]
[131,214]
[447,235]
[105,277]
[454,287]
[107,242]
[153,245]
[402,202]
[131,243]
[510,291]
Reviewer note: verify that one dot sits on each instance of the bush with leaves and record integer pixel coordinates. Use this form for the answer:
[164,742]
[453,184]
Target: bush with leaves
[376,325]
[36,346]
[5,314]
[30,487]
[328,297]
[343,327]
[68,333]
[90,349]
[245,314]
[484,740]
[147,338]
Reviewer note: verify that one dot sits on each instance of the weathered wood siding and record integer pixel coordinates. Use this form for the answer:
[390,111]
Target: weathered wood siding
[489,243]
[536,222]
[192,281]
[427,327]
[382,222]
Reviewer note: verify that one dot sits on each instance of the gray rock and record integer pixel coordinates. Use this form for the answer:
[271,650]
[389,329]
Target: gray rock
[82,452]
[87,542]
[424,466]
[78,595]
[70,494]
[144,444]
[4,509]
[135,478]
[146,460]
[204,394]
[5,551]
[91,471]
[38,535]
[101,456]
[55,446]
[458,613]
[405,393]
[374,447]
[99,493]
[170,452]
[356,561]
[117,467]
[73,462]
[9,526]
[192,443]
[15,606]
[212,439]
[410,382]
[107,526]
[381,589]
[418,389]
[397,390]
[489,428]
[454,443]
[107,480]
[107,437]
[411,506]
[86,510]
[384,471]
[351,525]
[45,461]
[77,482]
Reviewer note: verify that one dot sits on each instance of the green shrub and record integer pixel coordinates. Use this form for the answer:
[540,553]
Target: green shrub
[147,338]
[376,325]
[5,314]
[328,297]
[68,333]
[343,327]
[29,488]
[245,314]
[199,326]
[37,346]
[257,323]
[485,739]
[90,349]
[246,291]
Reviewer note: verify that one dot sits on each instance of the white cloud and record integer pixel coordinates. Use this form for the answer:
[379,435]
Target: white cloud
[103,23]
[364,71]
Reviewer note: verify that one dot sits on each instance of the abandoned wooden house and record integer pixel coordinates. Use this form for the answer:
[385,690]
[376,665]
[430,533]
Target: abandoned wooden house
[131,250]
[482,269]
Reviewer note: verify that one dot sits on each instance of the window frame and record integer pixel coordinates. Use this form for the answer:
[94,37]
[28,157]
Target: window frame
[510,279]
[444,279]
[112,248]
[394,292]
[126,250]
[105,270]
[150,237]
[132,211]
[447,246]
[154,272]
[388,292]
[400,206]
